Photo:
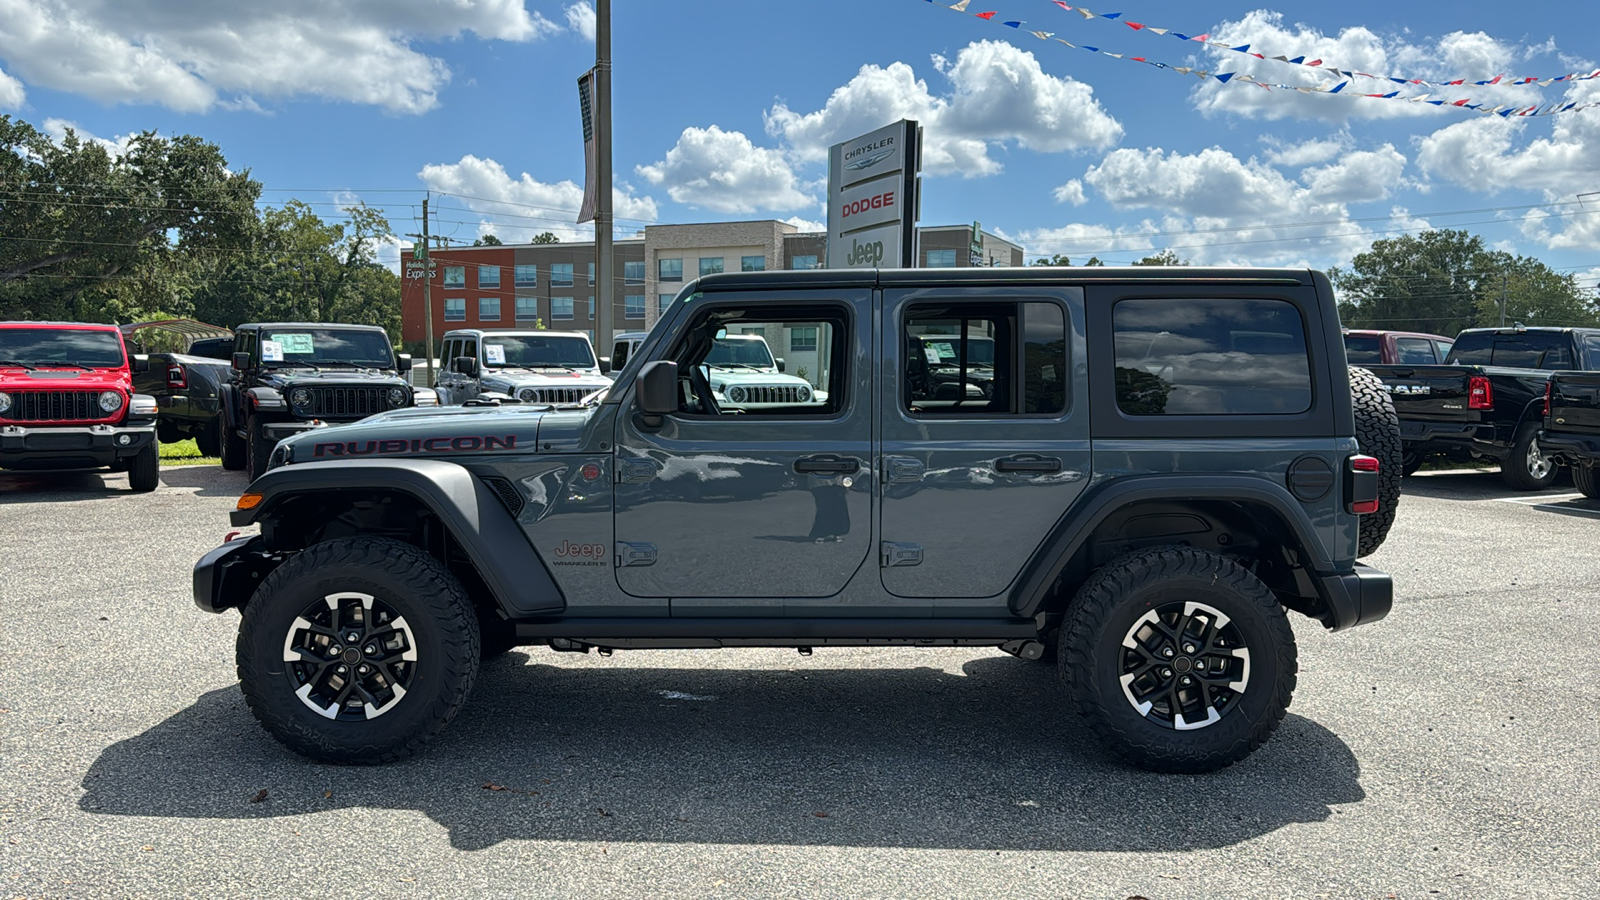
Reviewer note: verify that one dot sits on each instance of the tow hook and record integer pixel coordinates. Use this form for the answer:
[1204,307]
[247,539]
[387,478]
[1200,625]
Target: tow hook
[1028,649]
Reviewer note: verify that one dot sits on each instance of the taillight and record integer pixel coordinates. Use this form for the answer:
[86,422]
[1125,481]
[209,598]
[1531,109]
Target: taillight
[1548,387]
[1361,485]
[176,376]
[1480,393]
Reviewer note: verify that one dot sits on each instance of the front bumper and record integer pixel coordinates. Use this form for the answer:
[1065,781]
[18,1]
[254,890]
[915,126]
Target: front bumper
[72,447]
[227,576]
[1571,449]
[1357,597]
[281,430]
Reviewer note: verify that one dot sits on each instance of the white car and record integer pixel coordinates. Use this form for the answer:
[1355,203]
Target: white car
[532,366]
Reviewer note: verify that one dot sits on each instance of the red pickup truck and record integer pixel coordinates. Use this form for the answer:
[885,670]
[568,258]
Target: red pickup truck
[1395,348]
[67,402]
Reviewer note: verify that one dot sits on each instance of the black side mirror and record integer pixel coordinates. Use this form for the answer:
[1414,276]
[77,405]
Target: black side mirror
[402,362]
[605,364]
[780,364]
[466,365]
[241,361]
[139,364]
[658,388]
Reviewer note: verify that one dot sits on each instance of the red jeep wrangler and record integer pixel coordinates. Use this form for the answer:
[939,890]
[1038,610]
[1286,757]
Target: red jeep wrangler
[67,402]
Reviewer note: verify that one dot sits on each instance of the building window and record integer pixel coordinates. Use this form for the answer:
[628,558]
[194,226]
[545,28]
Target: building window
[488,309]
[561,274]
[669,270]
[527,309]
[455,309]
[663,301]
[560,307]
[455,276]
[591,307]
[526,276]
[941,259]
[710,265]
[803,339]
[633,271]
[488,276]
[752,263]
[591,274]
[802,262]
[633,306]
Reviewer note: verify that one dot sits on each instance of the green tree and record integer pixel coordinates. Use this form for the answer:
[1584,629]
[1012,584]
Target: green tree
[488,240]
[1061,260]
[1164,258]
[545,237]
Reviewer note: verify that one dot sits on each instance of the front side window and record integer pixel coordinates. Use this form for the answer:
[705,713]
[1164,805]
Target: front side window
[526,276]
[527,309]
[752,263]
[1210,357]
[489,309]
[669,270]
[729,370]
[561,275]
[941,259]
[633,271]
[808,261]
[455,309]
[989,358]
[488,276]
[710,265]
[633,306]
[560,307]
[455,276]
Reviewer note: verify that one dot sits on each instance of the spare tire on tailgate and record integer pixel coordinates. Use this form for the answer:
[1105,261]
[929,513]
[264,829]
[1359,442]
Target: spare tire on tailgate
[1378,435]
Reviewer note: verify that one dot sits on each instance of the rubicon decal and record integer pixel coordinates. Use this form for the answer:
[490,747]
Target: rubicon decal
[463,444]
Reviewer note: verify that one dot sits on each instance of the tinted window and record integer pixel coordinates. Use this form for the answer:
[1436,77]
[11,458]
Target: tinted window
[1442,349]
[962,360]
[1528,350]
[327,345]
[619,355]
[1363,348]
[212,348]
[1414,351]
[55,346]
[1210,357]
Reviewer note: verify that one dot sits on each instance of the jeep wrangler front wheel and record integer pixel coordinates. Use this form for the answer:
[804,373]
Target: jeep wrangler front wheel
[1181,660]
[357,650]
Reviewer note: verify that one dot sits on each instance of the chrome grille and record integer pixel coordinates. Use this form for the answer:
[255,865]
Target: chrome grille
[554,395]
[344,402]
[55,406]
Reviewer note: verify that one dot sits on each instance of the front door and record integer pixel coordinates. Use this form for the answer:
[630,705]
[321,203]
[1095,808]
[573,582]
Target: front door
[985,436]
[733,509]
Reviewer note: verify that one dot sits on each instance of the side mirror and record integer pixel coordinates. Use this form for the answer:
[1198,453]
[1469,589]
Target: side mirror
[658,388]
[605,364]
[140,364]
[466,365]
[241,361]
[780,364]
[402,362]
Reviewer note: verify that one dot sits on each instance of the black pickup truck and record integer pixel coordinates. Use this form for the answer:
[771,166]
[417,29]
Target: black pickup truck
[189,363]
[1487,401]
[1572,423]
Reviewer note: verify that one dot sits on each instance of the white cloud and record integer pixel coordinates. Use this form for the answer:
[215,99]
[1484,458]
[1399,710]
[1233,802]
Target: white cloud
[12,94]
[56,130]
[516,209]
[999,94]
[806,224]
[580,18]
[195,55]
[723,171]
[1071,192]
[1306,153]
[1358,177]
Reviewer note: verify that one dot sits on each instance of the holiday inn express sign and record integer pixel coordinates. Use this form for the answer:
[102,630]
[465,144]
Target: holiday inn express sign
[872,198]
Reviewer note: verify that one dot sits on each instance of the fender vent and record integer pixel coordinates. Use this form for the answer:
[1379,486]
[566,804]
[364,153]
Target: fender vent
[506,491]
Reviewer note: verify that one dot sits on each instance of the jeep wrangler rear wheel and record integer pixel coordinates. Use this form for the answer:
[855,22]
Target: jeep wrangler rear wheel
[1181,660]
[1377,435]
[357,650]
[258,448]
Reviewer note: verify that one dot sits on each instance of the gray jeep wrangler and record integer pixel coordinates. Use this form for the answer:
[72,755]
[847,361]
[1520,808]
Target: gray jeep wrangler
[1155,467]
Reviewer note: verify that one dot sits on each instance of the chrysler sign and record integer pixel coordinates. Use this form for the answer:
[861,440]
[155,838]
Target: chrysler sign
[872,198]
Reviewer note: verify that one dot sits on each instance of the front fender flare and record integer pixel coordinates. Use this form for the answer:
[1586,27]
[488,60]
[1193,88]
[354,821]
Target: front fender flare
[478,520]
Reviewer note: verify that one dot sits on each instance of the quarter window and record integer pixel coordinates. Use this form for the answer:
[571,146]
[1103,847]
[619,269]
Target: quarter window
[1210,357]
[455,309]
[488,276]
[488,309]
[669,270]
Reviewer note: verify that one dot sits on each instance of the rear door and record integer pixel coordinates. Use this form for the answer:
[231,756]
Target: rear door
[985,436]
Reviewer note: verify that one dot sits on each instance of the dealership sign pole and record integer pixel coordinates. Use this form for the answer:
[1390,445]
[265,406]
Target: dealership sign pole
[873,198]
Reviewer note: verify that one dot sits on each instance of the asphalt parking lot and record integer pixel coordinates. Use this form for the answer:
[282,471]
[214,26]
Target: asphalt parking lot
[1450,750]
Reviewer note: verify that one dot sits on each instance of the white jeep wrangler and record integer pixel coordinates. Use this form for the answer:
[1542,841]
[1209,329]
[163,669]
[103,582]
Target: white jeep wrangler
[531,366]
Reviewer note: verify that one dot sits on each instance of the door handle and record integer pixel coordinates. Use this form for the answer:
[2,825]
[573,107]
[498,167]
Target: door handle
[827,464]
[1039,465]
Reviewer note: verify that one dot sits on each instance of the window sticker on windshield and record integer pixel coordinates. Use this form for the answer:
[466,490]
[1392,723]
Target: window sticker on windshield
[295,343]
[271,351]
[932,353]
[495,354]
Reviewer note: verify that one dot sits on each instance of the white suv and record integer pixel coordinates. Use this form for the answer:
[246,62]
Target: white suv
[532,366]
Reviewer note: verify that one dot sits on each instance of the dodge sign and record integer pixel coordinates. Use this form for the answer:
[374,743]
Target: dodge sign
[872,198]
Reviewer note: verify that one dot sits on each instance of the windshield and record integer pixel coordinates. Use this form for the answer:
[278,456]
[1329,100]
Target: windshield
[980,351]
[322,346]
[741,352]
[1363,348]
[537,352]
[1529,350]
[61,347]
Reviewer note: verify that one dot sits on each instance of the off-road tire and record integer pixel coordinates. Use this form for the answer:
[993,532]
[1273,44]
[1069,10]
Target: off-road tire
[144,470]
[258,448]
[1410,462]
[1113,602]
[208,439]
[437,612]
[231,448]
[1377,435]
[1516,470]
[1585,480]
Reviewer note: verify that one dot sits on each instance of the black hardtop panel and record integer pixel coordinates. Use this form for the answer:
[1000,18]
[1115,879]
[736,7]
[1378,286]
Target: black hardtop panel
[259,325]
[1028,275]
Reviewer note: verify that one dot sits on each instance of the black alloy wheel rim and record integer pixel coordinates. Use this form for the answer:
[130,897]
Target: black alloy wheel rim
[1184,665]
[350,657]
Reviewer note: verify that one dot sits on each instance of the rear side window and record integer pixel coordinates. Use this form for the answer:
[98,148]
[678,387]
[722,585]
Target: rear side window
[1529,350]
[1414,351]
[1210,357]
[986,358]
[1363,348]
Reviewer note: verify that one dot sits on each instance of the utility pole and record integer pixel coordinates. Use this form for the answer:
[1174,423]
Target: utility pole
[1502,300]
[424,264]
[605,311]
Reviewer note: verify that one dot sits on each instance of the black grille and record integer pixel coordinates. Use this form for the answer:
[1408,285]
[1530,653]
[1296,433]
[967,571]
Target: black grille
[506,491]
[770,393]
[343,402]
[554,395]
[54,406]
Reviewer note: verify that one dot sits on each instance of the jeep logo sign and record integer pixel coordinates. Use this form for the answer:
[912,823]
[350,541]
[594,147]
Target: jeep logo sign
[872,198]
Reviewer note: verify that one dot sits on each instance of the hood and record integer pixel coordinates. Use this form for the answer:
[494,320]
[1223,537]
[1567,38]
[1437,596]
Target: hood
[284,379]
[517,378]
[451,432]
[745,376]
[15,378]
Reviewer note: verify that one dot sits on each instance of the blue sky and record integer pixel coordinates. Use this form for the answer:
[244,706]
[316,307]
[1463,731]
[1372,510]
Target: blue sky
[724,110]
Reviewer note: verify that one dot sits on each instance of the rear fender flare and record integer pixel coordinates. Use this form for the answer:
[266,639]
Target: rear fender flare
[480,523]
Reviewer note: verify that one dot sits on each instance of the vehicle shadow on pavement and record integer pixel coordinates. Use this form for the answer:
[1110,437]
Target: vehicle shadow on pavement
[1483,485]
[212,481]
[849,757]
[56,487]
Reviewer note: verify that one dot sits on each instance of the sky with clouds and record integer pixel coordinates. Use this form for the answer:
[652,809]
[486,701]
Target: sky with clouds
[725,111]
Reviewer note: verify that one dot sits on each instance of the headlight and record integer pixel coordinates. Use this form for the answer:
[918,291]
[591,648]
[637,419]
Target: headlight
[736,395]
[425,397]
[804,394]
[527,395]
[300,397]
[398,397]
[111,401]
[5,402]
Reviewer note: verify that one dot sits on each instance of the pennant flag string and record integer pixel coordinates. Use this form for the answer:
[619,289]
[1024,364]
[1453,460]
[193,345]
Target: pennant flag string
[1346,79]
[1319,64]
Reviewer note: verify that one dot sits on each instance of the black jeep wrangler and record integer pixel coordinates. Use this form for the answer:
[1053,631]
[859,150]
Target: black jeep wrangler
[1159,465]
[290,377]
